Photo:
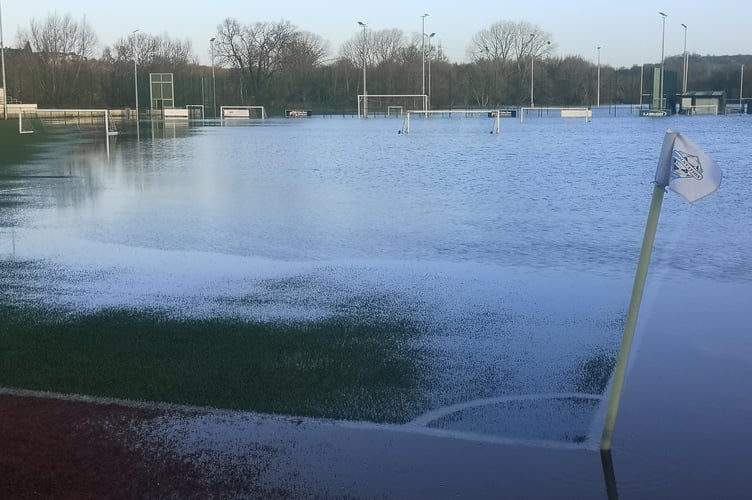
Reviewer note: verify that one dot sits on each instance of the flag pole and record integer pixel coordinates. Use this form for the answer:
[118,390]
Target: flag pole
[634,308]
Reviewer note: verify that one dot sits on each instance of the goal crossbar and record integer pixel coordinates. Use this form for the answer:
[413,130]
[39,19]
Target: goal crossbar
[79,117]
[231,112]
[491,113]
[363,100]
[564,112]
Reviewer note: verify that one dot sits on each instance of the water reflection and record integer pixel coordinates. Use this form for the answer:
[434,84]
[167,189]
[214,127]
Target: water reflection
[609,475]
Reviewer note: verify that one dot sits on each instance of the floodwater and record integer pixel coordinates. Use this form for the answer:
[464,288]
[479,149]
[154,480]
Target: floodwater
[514,252]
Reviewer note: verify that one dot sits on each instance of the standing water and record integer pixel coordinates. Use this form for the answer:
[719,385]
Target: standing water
[514,253]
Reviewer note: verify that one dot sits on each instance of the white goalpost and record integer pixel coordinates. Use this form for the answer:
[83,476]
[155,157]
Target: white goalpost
[25,123]
[557,112]
[491,113]
[242,112]
[704,109]
[195,111]
[395,110]
[85,120]
[390,104]
[82,119]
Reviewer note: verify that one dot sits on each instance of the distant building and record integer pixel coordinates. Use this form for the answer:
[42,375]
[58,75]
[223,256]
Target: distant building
[703,102]
[669,91]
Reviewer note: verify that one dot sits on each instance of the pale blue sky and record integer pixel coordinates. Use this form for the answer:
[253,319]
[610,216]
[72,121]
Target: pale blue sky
[629,32]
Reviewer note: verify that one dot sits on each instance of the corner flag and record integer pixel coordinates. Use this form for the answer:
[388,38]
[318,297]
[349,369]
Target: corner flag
[686,169]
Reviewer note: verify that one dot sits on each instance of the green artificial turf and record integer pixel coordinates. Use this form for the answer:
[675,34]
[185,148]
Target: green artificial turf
[337,368]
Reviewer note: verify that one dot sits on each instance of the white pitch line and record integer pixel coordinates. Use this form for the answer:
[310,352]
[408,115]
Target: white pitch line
[432,415]
[413,427]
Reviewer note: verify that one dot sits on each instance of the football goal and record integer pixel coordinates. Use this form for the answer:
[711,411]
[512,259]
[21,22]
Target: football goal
[242,112]
[85,120]
[389,104]
[495,114]
[556,112]
[195,111]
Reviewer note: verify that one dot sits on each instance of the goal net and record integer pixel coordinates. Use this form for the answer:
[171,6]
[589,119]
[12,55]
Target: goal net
[28,122]
[390,104]
[93,121]
[242,112]
[703,109]
[494,114]
[556,112]
[195,111]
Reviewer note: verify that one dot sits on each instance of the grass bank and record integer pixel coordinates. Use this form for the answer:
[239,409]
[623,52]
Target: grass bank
[338,368]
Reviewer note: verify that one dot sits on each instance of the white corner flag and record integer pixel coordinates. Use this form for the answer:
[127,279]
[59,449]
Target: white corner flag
[685,169]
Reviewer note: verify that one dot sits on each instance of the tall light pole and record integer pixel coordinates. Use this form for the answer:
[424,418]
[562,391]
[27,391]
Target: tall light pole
[214,81]
[135,81]
[423,52]
[598,92]
[686,60]
[663,60]
[532,69]
[2,62]
[429,66]
[741,90]
[365,89]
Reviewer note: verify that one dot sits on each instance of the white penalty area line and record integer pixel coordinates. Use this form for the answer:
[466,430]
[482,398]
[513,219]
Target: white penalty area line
[417,426]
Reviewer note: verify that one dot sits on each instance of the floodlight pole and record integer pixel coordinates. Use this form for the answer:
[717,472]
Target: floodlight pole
[642,77]
[214,81]
[663,60]
[598,99]
[365,90]
[532,70]
[2,62]
[135,82]
[741,90]
[686,61]
[429,67]
[423,52]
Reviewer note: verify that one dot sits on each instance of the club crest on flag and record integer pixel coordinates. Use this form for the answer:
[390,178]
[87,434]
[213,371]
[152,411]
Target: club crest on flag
[686,166]
[685,169]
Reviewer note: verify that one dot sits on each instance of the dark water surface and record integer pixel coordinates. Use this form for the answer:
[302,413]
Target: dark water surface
[515,253]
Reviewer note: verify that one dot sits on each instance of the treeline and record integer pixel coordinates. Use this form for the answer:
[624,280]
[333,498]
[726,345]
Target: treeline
[279,66]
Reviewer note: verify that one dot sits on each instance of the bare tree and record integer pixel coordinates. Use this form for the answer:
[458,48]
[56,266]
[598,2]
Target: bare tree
[305,50]
[257,51]
[153,51]
[506,41]
[61,47]
[494,43]
[379,47]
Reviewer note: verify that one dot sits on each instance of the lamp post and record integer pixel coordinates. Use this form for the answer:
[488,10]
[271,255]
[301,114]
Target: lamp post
[532,67]
[663,60]
[741,90]
[532,70]
[686,60]
[423,52]
[2,62]
[365,90]
[214,81]
[135,81]
[429,66]
[598,91]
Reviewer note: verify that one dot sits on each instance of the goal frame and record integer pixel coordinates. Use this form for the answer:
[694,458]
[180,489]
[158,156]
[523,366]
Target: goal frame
[491,113]
[241,108]
[363,101]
